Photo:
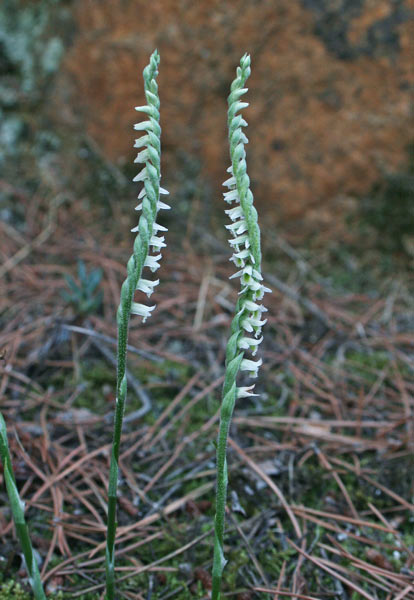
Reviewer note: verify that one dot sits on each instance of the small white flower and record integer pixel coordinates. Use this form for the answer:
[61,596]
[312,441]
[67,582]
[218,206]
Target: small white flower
[253,307]
[142,141]
[141,310]
[235,213]
[251,285]
[263,290]
[246,343]
[247,270]
[157,228]
[157,242]
[237,228]
[142,175]
[239,106]
[144,125]
[142,156]
[241,256]
[231,196]
[239,240]
[230,182]
[152,262]
[252,324]
[147,286]
[245,392]
[162,205]
[251,365]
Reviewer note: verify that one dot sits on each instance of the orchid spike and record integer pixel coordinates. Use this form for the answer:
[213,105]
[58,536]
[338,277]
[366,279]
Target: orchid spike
[146,241]
[245,243]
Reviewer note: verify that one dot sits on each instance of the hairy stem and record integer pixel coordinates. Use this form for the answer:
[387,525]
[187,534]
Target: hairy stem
[226,413]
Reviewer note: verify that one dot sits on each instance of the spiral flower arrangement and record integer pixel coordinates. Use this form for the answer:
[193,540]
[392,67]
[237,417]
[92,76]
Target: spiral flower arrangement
[247,324]
[148,240]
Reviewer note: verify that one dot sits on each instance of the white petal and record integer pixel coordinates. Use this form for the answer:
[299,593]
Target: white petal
[239,262]
[251,365]
[251,282]
[246,269]
[247,326]
[242,254]
[253,307]
[157,242]
[141,310]
[142,156]
[142,141]
[231,195]
[147,286]
[163,191]
[152,262]
[245,343]
[235,213]
[157,227]
[239,106]
[237,227]
[261,292]
[162,205]
[245,392]
[230,182]
[238,274]
[144,125]
[240,239]
[142,175]
[251,322]
[250,285]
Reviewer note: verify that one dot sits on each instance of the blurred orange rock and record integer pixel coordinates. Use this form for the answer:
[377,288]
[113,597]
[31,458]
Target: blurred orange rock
[329,89]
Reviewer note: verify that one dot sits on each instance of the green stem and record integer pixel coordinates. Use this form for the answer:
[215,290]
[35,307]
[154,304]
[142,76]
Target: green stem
[226,413]
[17,507]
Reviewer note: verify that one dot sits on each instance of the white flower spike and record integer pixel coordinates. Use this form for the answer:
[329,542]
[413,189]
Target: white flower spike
[147,241]
[246,325]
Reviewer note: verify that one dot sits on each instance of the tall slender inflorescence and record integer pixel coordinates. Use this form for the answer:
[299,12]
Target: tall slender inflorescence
[146,240]
[246,326]
[17,507]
